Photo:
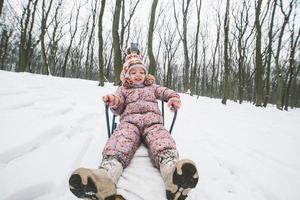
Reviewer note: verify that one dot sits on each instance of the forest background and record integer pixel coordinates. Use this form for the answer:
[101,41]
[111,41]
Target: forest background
[238,50]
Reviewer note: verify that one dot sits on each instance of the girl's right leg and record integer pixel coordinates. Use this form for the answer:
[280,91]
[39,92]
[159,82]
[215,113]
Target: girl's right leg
[97,184]
[123,143]
[101,183]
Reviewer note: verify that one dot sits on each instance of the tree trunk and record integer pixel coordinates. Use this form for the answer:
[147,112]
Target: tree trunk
[125,25]
[170,50]
[45,14]
[91,62]
[5,36]
[295,87]
[87,64]
[186,84]
[30,44]
[1,6]
[64,67]
[55,38]
[101,45]
[279,91]
[109,65]
[226,57]
[152,65]
[116,42]
[169,75]
[241,22]
[213,75]
[269,55]
[204,74]
[25,41]
[258,58]
[291,67]
[194,69]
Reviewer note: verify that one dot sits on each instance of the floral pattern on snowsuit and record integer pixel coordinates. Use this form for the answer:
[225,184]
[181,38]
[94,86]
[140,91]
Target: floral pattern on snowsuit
[141,121]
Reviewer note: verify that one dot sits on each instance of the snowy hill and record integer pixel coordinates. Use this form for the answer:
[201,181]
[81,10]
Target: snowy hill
[49,126]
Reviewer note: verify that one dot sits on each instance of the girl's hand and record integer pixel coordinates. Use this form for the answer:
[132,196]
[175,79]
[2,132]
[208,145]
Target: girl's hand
[149,79]
[174,102]
[111,100]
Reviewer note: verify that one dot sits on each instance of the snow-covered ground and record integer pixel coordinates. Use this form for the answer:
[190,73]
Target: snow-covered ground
[49,126]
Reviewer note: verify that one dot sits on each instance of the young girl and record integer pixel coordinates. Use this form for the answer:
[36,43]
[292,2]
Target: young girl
[140,121]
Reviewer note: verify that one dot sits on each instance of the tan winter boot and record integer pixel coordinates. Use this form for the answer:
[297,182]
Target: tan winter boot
[180,176]
[97,184]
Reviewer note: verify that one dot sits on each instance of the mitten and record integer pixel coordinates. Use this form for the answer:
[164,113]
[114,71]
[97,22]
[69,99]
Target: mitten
[149,79]
[174,102]
[112,100]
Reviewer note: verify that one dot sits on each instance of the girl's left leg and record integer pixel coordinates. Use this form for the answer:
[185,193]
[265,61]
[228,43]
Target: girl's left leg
[161,145]
[180,176]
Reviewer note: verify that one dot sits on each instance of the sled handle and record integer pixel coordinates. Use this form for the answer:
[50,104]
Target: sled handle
[174,109]
[109,133]
[107,120]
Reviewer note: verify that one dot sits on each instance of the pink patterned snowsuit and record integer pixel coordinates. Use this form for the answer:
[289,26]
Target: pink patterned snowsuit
[141,121]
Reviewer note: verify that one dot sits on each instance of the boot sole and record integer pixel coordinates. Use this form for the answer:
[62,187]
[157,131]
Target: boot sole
[80,190]
[87,191]
[185,177]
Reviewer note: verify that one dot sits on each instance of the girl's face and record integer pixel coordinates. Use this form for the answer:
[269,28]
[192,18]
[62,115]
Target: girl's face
[137,75]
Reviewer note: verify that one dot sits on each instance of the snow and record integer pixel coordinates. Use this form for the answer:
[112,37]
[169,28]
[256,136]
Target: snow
[50,126]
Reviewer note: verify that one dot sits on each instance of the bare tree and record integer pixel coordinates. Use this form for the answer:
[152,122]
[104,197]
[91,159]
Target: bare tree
[73,33]
[170,47]
[26,44]
[241,24]
[101,45]
[214,77]
[1,6]
[226,56]
[184,8]
[194,68]
[295,88]
[152,65]
[204,63]
[269,54]
[45,14]
[258,57]
[92,60]
[125,24]
[279,91]
[74,60]
[292,66]
[6,34]
[108,59]
[88,65]
[116,41]
[56,36]
[78,53]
